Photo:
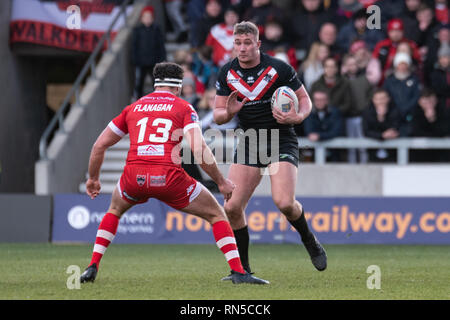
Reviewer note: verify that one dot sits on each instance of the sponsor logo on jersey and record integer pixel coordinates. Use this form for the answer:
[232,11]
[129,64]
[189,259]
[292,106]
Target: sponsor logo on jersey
[151,150]
[157,181]
[190,188]
[140,179]
[194,117]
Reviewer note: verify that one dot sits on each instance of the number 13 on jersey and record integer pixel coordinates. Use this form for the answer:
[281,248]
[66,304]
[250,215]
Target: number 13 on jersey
[163,129]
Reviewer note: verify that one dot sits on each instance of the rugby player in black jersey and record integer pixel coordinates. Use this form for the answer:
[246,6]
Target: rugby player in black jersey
[245,86]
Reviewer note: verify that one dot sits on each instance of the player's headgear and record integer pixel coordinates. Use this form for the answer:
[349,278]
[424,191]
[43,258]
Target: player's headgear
[168,74]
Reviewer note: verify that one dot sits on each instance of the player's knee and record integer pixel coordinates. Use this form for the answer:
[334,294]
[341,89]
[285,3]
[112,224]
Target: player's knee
[286,206]
[232,209]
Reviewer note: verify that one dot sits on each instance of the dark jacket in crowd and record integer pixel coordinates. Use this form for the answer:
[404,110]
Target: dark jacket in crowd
[348,34]
[200,29]
[405,94]
[421,127]
[328,127]
[373,128]
[147,46]
[339,95]
[361,91]
[305,26]
[440,82]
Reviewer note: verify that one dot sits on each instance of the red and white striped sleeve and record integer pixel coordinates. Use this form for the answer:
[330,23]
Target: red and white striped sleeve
[119,125]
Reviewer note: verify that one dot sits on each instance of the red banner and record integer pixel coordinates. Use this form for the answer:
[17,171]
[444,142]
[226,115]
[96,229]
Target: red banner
[48,23]
[50,35]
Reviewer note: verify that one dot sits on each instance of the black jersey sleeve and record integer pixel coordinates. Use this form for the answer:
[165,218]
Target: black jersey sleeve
[289,76]
[221,83]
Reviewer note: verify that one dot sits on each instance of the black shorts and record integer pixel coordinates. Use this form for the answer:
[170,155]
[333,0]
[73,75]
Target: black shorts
[259,148]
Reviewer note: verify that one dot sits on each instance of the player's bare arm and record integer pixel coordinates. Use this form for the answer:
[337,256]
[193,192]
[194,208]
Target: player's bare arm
[202,153]
[226,107]
[293,117]
[106,139]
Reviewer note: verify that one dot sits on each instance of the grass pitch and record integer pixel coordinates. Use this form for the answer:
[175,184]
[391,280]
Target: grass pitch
[39,271]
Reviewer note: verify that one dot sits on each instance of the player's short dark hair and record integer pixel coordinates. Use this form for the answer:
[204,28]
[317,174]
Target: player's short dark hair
[246,27]
[168,70]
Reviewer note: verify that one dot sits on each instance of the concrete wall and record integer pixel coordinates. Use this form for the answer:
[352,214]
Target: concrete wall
[102,99]
[25,218]
[23,114]
[342,180]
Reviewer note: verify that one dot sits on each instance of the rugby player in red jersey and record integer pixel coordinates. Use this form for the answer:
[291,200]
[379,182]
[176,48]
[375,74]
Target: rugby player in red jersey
[156,124]
[244,88]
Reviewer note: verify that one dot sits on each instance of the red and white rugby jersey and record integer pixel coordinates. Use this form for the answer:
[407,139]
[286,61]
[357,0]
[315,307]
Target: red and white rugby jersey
[156,124]
[220,38]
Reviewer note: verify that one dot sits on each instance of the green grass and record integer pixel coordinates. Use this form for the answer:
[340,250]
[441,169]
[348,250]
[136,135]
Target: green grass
[38,271]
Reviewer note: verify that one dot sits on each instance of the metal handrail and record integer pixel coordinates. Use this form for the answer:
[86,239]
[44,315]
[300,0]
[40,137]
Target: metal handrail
[402,145]
[58,118]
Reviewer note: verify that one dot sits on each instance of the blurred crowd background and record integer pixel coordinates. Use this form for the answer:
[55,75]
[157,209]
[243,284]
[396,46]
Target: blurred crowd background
[378,76]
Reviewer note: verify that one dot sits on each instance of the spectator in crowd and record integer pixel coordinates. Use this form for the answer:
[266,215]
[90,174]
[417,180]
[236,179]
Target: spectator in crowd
[200,28]
[361,91]
[381,121]
[173,10]
[306,22]
[188,91]
[365,62]
[274,41]
[337,87]
[345,11]
[429,120]
[324,122]
[440,77]
[356,29]
[442,11]
[312,68]
[220,38]
[261,11]
[409,19]
[390,9]
[426,25]
[386,49]
[195,10]
[404,88]
[182,56]
[203,66]
[146,49]
[441,37]
[327,35]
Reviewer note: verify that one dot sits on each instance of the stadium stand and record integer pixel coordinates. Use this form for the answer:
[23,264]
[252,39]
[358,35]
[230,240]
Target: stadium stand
[422,41]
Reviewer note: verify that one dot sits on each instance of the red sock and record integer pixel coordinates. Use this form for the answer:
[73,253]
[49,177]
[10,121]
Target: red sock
[105,235]
[223,234]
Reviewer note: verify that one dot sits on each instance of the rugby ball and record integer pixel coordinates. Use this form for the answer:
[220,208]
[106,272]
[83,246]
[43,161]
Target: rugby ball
[282,97]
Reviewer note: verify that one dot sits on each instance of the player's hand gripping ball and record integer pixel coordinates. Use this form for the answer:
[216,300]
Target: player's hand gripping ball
[283,98]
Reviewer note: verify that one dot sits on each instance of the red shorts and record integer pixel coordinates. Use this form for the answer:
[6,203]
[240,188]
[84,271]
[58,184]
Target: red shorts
[171,185]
